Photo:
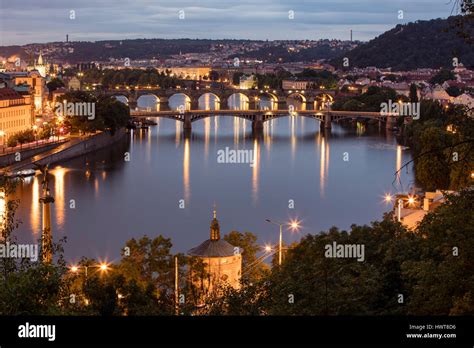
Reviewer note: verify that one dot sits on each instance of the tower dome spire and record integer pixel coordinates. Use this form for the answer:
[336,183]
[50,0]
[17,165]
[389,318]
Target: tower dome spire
[40,58]
[215,228]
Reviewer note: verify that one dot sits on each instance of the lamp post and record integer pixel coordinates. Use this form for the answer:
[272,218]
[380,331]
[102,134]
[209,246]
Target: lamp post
[293,224]
[103,268]
[400,204]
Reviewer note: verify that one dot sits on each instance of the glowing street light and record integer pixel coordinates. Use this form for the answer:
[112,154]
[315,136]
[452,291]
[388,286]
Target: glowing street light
[103,267]
[388,198]
[294,225]
[411,200]
[268,248]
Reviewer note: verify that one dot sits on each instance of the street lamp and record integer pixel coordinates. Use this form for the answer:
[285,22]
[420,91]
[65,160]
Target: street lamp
[294,225]
[400,204]
[103,267]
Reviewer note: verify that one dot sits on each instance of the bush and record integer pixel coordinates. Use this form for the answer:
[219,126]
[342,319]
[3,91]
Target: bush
[12,141]
[23,137]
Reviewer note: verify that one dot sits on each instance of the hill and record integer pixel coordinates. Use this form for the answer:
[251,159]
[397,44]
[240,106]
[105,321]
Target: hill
[422,44]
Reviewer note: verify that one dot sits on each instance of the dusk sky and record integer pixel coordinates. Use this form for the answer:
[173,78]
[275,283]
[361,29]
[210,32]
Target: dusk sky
[30,21]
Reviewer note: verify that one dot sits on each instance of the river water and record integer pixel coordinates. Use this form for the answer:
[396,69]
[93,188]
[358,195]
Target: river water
[102,200]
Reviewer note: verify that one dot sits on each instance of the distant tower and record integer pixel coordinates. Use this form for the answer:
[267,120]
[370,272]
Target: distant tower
[46,235]
[40,58]
[38,65]
[223,261]
[67,37]
[351,35]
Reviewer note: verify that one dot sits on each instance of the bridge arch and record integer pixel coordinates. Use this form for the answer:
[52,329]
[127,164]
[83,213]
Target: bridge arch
[296,100]
[321,100]
[149,102]
[209,101]
[266,101]
[121,98]
[179,100]
[238,101]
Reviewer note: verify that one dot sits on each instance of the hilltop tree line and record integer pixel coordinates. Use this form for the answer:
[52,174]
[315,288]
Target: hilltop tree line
[422,44]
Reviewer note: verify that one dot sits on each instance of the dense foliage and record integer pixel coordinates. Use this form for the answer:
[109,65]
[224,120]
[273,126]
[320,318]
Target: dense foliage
[426,272]
[110,114]
[442,143]
[422,44]
[368,101]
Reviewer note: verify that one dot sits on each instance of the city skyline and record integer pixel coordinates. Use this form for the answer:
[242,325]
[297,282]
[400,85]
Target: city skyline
[25,23]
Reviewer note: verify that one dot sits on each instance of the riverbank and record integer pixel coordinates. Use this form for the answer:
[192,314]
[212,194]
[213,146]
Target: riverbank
[9,157]
[73,148]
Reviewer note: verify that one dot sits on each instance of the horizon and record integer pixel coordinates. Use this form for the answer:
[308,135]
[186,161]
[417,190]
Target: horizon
[89,21]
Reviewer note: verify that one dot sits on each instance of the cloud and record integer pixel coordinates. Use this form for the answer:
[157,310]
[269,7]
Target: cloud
[44,21]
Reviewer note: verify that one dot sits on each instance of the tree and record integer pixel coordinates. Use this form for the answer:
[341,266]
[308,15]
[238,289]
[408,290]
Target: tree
[453,91]
[443,276]
[413,93]
[236,78]
[442,76]
[110,114]
[252,269]
[213,75]
[28,287]
[54,84]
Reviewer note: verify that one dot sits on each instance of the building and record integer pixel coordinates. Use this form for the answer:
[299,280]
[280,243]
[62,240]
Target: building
[295,84]
[187,72]
[223,261]
[16,113]
[74,84]
[37,85]
[247,81]
[39,65]
[466,100]
[438,93]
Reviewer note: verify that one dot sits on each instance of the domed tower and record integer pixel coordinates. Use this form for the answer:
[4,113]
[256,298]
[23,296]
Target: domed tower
[222,260]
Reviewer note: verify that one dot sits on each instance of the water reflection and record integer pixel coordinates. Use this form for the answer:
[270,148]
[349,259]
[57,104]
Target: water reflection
[186,159]
[324,164]
[35,206]
[209,101]
[255,170]
[59,173]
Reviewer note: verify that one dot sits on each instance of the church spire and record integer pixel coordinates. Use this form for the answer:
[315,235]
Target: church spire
[40,58]
[215,229]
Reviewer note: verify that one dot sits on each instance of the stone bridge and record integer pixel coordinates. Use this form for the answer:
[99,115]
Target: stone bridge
[306,99]
[258,117]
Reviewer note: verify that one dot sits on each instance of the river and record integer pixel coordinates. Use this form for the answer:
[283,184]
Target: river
[299,172]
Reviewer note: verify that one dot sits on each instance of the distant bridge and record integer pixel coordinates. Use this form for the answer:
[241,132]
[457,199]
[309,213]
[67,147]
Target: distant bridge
[250,98]
[257,117]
